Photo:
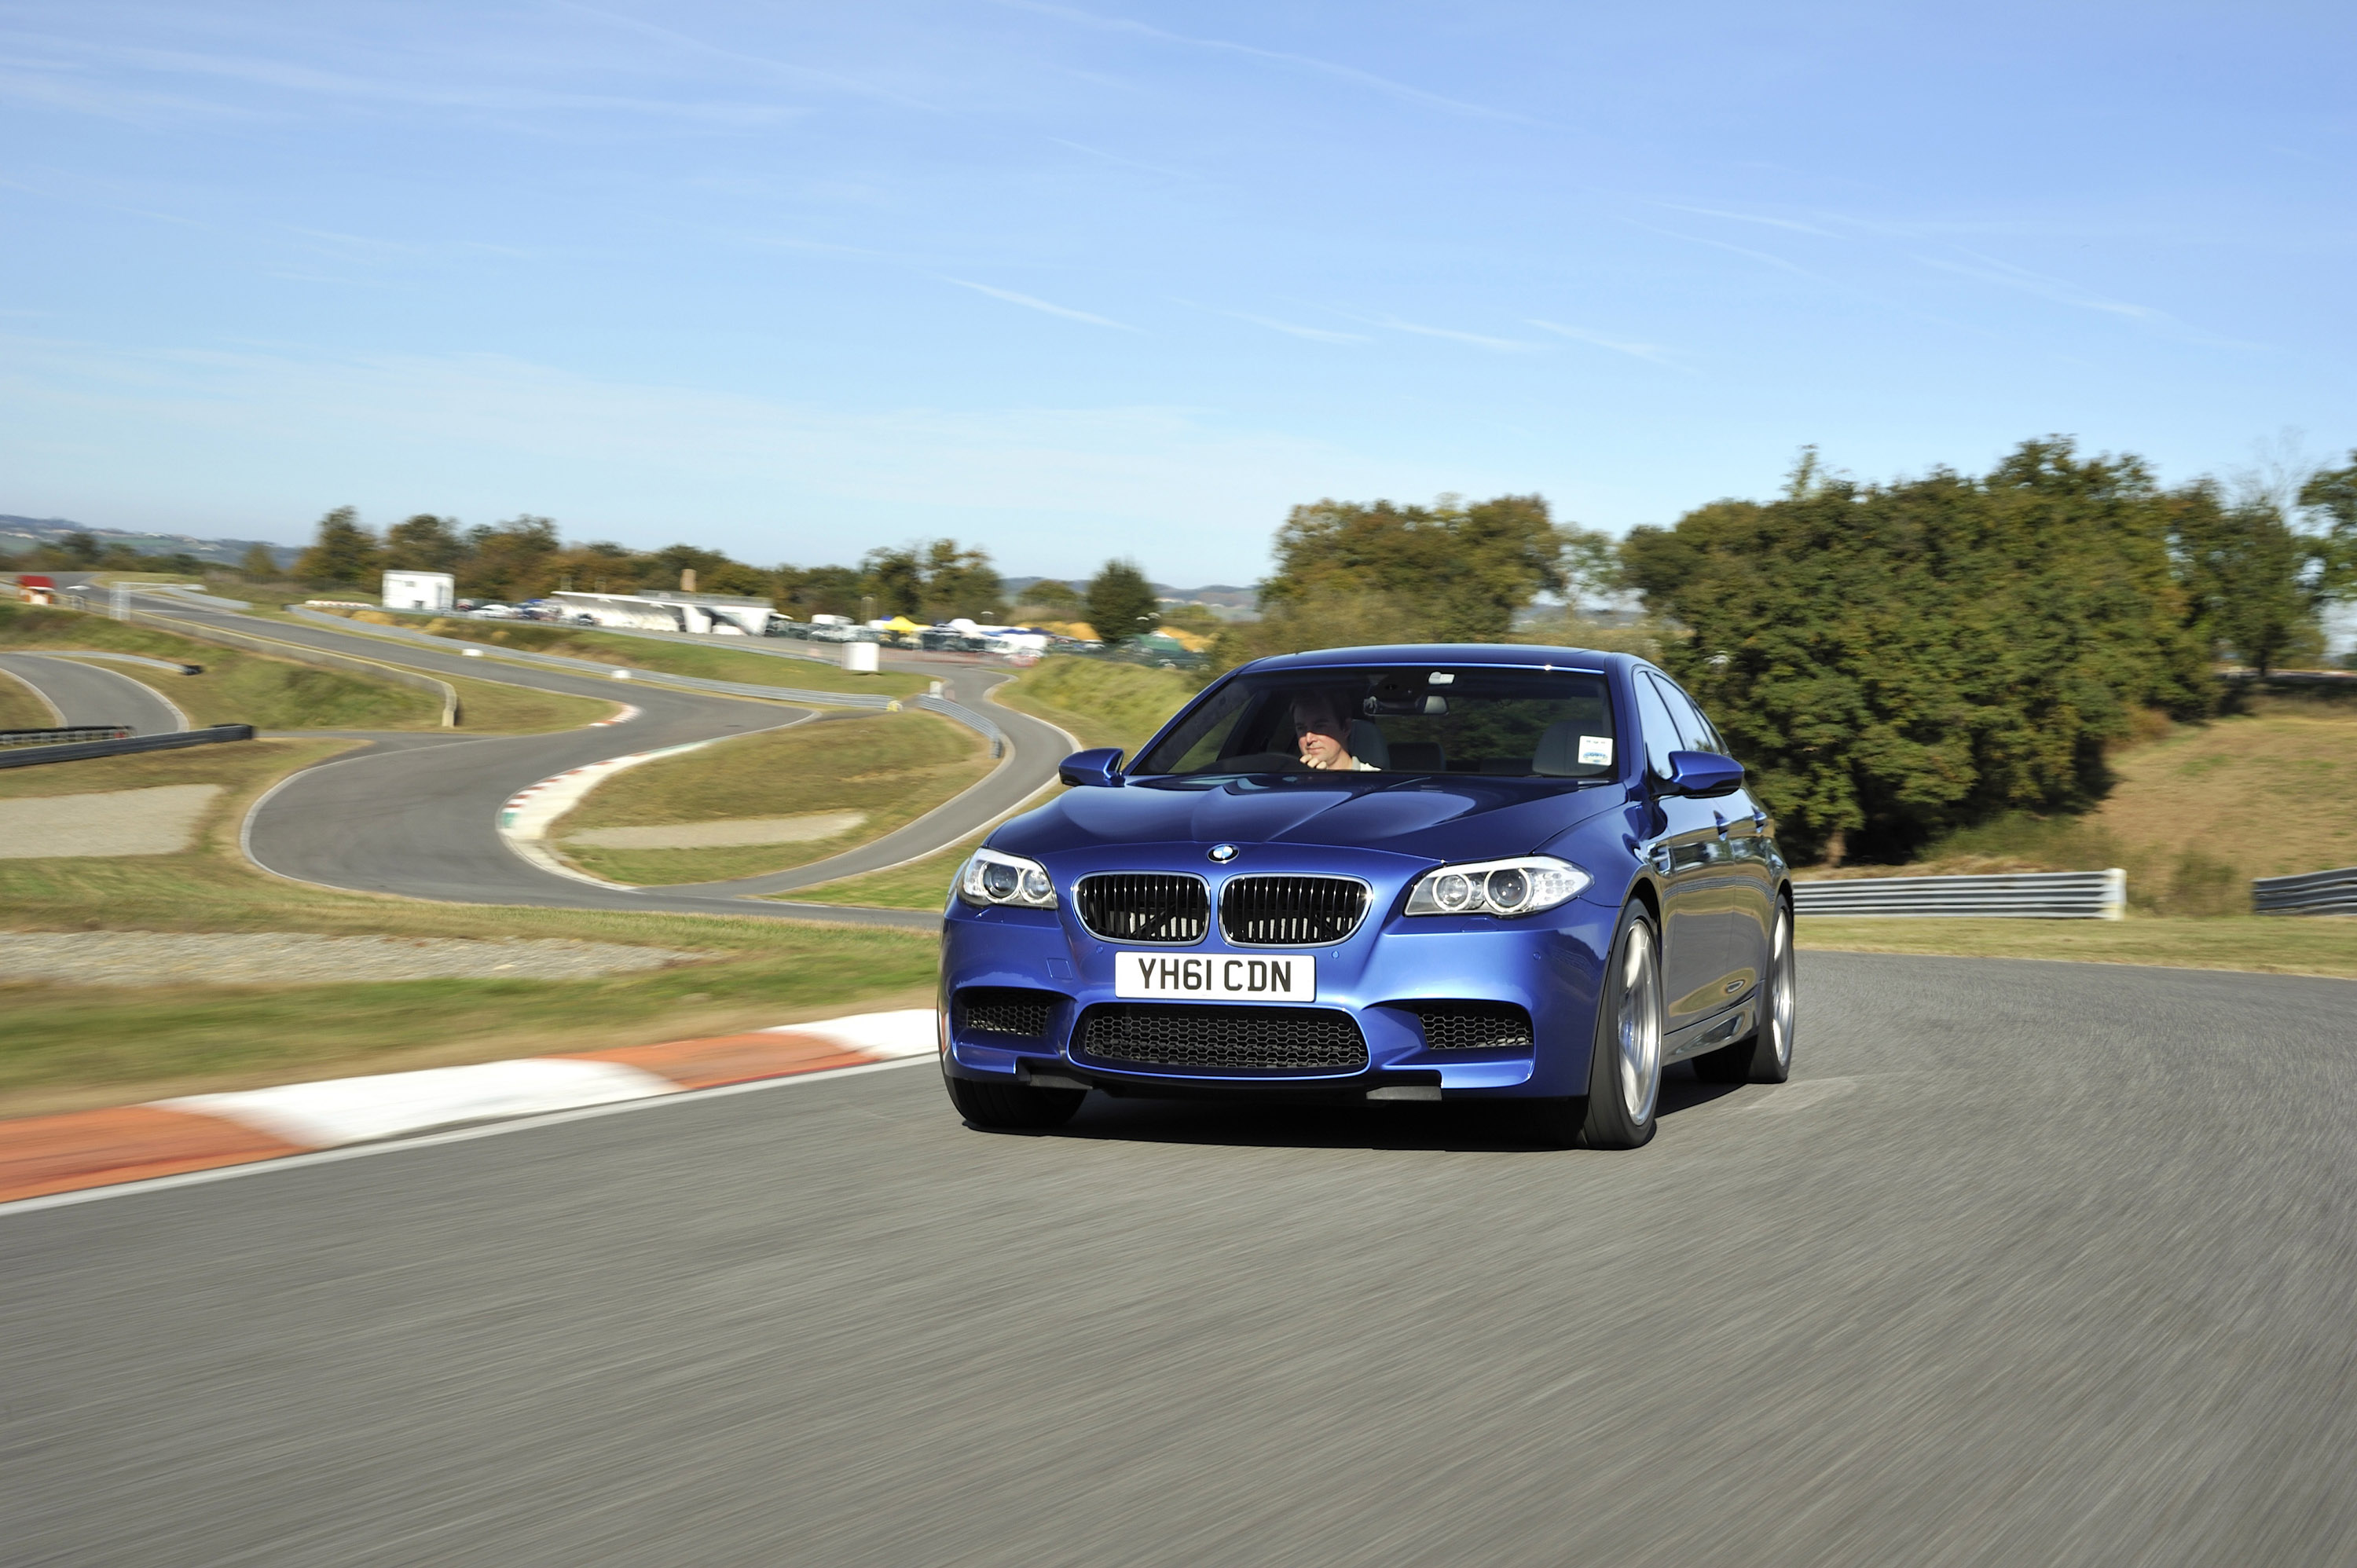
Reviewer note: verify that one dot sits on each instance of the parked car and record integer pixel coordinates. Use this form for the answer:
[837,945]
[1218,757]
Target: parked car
[1527,875]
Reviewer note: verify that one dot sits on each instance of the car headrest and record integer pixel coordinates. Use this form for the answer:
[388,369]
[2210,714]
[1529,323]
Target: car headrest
[1558,753]
[1368,744]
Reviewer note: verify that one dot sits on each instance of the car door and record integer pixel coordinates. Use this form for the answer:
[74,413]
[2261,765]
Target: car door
[1743,894]
[1683,848]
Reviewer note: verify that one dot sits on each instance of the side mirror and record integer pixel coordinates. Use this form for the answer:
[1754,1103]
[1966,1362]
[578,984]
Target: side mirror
[1704,773]
[1100,766]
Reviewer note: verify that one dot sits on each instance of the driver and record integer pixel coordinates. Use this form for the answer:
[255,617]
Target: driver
[1322,730]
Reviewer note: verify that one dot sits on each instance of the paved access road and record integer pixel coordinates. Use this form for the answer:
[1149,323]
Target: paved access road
[89,693]
[417,814]
[2043,1264]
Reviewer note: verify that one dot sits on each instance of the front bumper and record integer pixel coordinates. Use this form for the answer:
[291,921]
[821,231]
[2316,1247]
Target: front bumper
[1550,965]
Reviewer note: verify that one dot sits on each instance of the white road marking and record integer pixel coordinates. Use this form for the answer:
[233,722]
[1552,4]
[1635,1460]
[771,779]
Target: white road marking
[909,1032]
[456,1135]
[341,1111]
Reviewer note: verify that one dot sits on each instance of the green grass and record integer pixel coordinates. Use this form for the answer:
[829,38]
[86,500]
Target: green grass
[717,662]
[65,1047]
[1102,704]
[893,766]
[2266,944]
[920,885]
[236,687]
[489,707]
[19,709]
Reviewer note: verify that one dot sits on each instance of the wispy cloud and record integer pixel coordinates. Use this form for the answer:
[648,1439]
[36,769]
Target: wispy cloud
[2006,276]
[1652,351]
[1290,329]
[1335,69]
[1495,344]
[1792,224]
[1029,303]
[1774,261]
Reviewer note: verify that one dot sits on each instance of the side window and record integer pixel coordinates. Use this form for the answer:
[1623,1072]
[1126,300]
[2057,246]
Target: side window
[1661,733]
[1700,735]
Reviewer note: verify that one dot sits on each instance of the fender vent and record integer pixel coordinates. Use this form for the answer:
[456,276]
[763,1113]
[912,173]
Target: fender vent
[1001,1010]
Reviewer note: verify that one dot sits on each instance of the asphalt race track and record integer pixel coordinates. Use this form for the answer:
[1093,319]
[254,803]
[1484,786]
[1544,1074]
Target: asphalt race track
[417,814]
[2047,1263]
[92,695]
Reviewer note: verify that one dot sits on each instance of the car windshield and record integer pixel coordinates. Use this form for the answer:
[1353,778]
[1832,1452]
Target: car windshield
[1551,724]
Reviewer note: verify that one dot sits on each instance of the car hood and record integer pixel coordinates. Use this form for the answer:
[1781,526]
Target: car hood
[1438,818]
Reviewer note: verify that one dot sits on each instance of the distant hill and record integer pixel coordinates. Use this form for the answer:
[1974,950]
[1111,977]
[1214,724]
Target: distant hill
[23,532]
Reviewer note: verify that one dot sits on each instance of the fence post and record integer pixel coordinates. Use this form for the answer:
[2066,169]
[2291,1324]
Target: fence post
[2115,894]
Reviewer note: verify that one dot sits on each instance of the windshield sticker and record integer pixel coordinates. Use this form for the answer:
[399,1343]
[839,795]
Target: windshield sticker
[1441,678]
[1596,750]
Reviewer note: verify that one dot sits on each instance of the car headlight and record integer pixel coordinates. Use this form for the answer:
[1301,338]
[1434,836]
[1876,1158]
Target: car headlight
[1523,886]
[991,879]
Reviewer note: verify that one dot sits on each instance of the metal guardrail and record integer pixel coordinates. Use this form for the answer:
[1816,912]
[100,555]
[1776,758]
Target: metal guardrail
[981,723]
[2034,895]
[26,757]
[2313,893]
[61,736]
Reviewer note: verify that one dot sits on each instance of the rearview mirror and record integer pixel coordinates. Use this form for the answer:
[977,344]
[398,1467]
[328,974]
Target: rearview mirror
[1100,766]
[1704,773]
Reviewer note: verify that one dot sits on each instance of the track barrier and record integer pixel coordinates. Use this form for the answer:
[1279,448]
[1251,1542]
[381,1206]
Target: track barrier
[120,741]
[2315,893]
[2032,896]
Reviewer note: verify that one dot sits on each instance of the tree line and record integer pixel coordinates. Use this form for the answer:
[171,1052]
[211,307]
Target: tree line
[526,558]
[1889,661]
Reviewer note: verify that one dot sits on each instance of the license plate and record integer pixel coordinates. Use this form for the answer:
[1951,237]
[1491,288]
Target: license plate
[1225,977]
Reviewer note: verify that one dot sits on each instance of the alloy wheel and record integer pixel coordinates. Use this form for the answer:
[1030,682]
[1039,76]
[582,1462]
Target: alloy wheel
[1780,999]
[1639,1032]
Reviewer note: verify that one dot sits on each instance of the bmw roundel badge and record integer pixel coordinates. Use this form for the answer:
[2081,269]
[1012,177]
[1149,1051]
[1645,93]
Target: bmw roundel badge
[1223,853]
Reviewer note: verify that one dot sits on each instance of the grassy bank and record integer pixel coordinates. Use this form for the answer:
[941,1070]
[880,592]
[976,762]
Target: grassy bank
[711,660]
[1102,703]
[2264,944]
[890,768]
[2195,812]
[19,708]
[236,687]
[65,1047]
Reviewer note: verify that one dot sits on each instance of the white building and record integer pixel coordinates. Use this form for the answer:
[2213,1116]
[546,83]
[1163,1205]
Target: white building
[725,615]
[419,590]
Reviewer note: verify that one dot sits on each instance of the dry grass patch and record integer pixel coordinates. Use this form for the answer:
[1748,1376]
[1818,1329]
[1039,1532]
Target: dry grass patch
[891,768]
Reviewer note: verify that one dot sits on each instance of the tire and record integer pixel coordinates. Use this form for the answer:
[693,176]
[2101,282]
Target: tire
[1013,1107]
[1766,1055]
[1624,1070]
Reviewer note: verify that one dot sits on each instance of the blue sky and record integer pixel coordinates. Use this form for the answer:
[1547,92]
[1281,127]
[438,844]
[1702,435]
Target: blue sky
[1079,281]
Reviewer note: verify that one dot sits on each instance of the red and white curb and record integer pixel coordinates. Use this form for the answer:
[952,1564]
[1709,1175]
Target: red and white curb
[45,1155]
[528,814]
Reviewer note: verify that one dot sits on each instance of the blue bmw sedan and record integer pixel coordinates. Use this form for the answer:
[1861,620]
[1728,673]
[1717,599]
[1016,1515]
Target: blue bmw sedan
[1478,872]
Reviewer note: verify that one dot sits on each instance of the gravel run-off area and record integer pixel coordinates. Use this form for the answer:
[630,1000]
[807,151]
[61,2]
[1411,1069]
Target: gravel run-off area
[161,820]
[267,957]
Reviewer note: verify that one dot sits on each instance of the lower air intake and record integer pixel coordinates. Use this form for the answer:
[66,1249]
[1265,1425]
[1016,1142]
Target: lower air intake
[1217,1039]
[1473,1026]
[1003,1010]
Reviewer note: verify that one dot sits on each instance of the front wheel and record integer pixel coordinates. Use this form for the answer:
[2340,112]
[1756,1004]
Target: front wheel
[1013,1107]
[1766,1056]
[1624,1070]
